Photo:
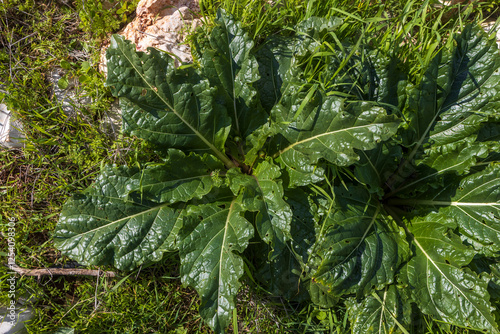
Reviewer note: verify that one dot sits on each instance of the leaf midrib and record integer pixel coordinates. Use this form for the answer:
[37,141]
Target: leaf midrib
[232,82]
[325,134]
[393,316]
[223,249]
[124,218]
[480,186]
[196,177]
[426,177]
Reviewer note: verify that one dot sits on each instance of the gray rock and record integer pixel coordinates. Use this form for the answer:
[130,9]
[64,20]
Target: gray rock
[112,121]
[69,98]
[73,98]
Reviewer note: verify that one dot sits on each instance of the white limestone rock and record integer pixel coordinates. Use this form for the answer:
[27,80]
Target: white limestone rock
[11,134]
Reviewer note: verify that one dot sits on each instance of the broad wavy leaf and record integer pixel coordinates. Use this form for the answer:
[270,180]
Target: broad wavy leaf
[473,201]
[179,179]
[440,284]
[455,87]
[231,67]
[284,275]
[102,226]
[457,95]
[275,58]
[214,236]
[360,248]
[329,128]
[168,107]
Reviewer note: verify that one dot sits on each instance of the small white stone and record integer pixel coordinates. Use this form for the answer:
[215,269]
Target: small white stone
[11,134]
[21,315]
[160,24]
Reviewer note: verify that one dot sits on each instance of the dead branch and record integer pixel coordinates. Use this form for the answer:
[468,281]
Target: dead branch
[61,272]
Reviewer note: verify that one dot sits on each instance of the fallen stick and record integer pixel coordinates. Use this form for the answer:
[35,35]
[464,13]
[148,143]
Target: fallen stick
[61,272]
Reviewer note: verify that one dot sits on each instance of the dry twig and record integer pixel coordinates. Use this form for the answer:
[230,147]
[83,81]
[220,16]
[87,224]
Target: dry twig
[61,272]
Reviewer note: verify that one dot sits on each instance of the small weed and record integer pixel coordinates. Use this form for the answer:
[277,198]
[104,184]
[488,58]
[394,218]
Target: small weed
[99,18]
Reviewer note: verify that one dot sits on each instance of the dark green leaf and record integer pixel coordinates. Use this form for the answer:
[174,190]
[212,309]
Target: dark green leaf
[377,165]
[387,83]
[274,59]
[170,108]
[263,193]
[103,227]
[180,179]
[456,94]
[474,203]
[328,128]
[298,174]
[284,275]
[440,285]
[210,260]
[359,247]
[311,31]
[230,67]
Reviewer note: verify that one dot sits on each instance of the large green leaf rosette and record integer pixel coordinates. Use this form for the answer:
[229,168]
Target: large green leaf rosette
[363,191]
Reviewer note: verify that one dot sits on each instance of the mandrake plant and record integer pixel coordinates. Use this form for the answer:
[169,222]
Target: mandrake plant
[362,188]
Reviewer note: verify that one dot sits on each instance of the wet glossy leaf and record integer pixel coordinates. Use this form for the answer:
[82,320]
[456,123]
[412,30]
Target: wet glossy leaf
[359,247]
[263,193]
[231,67]
[474,203]
[328,128]
[440,285]
[170,108]
[102,226]
[180,179]
[210,257]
